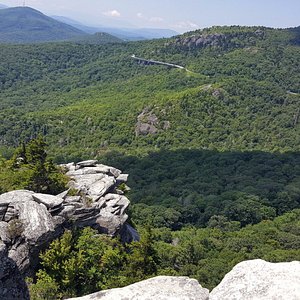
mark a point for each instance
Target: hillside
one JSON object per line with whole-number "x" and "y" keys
{"x": 27, "y": 25}
{"x": 98, "y": 38}
{"x": 212, "y": 150}
{"x": 226, "y": 132}
{"x": 242, "y": 94}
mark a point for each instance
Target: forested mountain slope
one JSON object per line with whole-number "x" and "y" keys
{"x": 200, "y": 127}
{"x": 243, "y": 94}
{"x": 27, "y": 25}
{"x": 213, "y": 153}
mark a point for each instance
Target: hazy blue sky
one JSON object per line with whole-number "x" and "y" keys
{"x": 181, "y": 15}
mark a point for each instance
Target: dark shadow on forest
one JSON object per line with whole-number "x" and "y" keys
{"x": 296, "y": 32}
{"x": 203, "y": 183}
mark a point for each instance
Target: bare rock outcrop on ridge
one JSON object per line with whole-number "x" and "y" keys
{"x": 30, "y": 221}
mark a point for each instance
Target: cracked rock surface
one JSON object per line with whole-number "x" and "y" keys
{"x": 30, "y": 221}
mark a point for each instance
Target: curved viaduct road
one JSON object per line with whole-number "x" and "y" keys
{"x": 156, "y": 62}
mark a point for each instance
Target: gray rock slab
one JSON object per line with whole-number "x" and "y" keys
{"x": 103, "y": 168}
{"x": 11, "y": 212}
{"x": 115, "y": 172}
{"x": 108, "y": 170}
{"x": 20, "y": 255}
{"x": 70, "y": 199}
{"x": 3, "y": 210}
{"x": 122, "y": 178}
{"x": 87, "y": 163}
{"x": 4, "y": 236}
{"x": 63, "y": 195}
{"x": 114, "y": 201}
{"x": 91, "y": 170}
{"x": 69, "y": 166}
{"x": 99, "y": 188}
{"x": 36, "y": 219}
{"x": 12, "y": 283}
{"x": 75, "y": 173}
{"x": 15, "y": 196}
{"x": 85, "y": 181}
{"x": 260, "y": 280}
{"x": 157, "y": 288}
{"x": 48, "y": 200}
{"x": 129, "y": 234}
{"x": 109, "y": 223}
{"x": 67, "y": 211}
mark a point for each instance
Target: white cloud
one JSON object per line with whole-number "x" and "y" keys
{"x": 140, "y": 15}
{"x": 112, "y": 13}
{"x": 186, "y": 25}
{"x": 149, "y": 19}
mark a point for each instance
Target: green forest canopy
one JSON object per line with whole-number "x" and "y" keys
{"x": 220, "y": 177}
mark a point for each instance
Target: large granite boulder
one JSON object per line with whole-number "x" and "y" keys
{"x": 48, "y": 200}
{"x": 158, "y": 288}
{"x": 260, "y": 280}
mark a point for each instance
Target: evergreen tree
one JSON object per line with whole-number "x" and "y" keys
{"x": 30, "y": 168}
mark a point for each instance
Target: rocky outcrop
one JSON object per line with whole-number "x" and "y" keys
{"x": 203, "y": 39}
{"x": 30, "y": 221}
{"x": 158, "y": 288}
{"x": 258, "y": 279}
{"x": 148, "y": 123}
{"x": 249, "y": 280}
{"x": 12, "y": 283}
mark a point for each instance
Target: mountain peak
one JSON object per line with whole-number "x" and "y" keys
{"x": 28, "y": 25}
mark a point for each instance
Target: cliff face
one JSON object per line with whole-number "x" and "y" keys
{"x": 12, "y": 283}
{"x": 251, "y": 280}
{"x": 30, "y": 221}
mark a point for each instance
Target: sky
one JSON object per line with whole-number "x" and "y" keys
{"x": 179, "y": 15}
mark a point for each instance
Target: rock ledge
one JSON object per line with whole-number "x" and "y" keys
{"x": 30, "y": 221}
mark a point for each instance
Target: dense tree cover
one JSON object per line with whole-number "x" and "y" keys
{"x": 173, "y": 188}
{"x": 238, "y": 98}
{"x": 30, "y": 168}
{"x": 211, "y": 184}
{"x": 84, "y": 262}
{"x": 208, "y": 254}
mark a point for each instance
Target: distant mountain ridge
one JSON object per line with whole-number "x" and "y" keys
{"x": 122, "y": 33}
{"x": 27, "y": 25}
{"x": 97, "y": 38}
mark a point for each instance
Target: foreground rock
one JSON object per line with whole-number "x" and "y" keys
{"x": 258, "y": 279}
{"x": 30, "y": 221}
{"x": 158, "y": 288}
{"x": 249, "y": 280}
